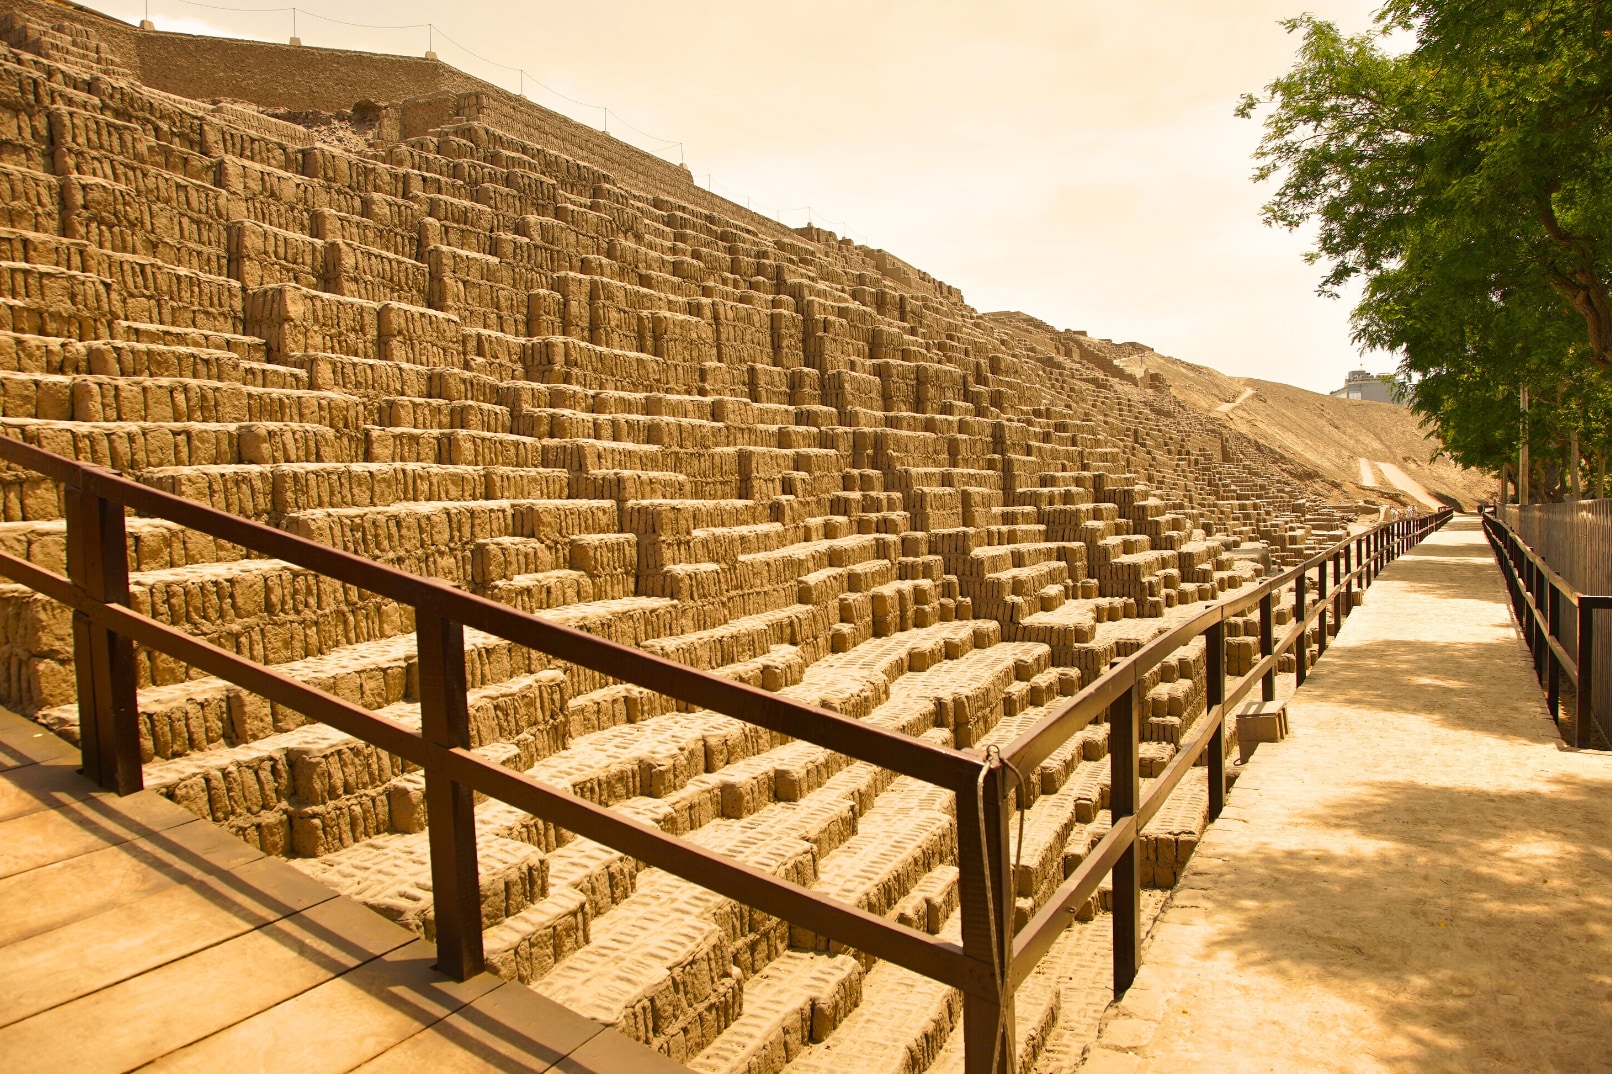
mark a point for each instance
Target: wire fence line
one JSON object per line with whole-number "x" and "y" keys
{"x": 660, "y": 146}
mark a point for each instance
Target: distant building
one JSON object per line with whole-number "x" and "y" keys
{"x": 1373, "y": 387}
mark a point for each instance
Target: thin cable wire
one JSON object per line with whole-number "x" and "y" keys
{"x": 360, "y": 25}
{"x": 640, "y": 130}
{"x": 468, "y": 52}
{"x": 243, "y": 10}
{"x": 436, "y": 31}
{"x": 520, "y": 71}
{"x": 562, "y": 96}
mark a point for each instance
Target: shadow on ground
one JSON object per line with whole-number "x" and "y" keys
{"x": 1423, "y": 881}
{"x": 1477, "y": 923}
{"x": 1420, "y": 678}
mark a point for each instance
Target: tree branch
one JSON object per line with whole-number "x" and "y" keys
{"x": 1582, "y": 285}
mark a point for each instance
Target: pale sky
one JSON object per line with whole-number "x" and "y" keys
{"x": 1078, "y": 161}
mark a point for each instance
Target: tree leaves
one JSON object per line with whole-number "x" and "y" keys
{"x": 1467, "y": 181}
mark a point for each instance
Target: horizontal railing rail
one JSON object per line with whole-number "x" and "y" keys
{"x": 985, "y": 967}
{"x": 1544, "y": 603}
{"x": 1355, "y": 561}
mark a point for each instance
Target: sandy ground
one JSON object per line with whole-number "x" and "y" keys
{"x": 1227, "y": 408}
{"x": 1418, "y": 879}
{"x": 1406, "y": 483}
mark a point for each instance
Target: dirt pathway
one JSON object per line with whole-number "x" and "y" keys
{"x": 1227, "y": 408}
{"x": 1406, "y": 483}
{"x": 1418, "y": 879}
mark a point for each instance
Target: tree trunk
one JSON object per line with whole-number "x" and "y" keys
{"x": 1581, "y": 284}
{"x": 1572, "y": 457}
{"x": 1524, "y": 471}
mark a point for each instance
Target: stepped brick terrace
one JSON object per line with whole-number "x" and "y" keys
{"x": 449, "y": 332}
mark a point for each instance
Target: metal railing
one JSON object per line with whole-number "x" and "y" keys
{"x": 1558, "y": 623}
{"x": 986, "y": 966}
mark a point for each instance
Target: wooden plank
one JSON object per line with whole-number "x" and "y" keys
{"x": 147, "y": 1017}
{"x": 46, "y": 837}
{"x": 23, "y": 742}
{"x": 510, "y": 1030}
{"x": 44, "y": 785}
{"x": 612, "y": 1053}
{"x": 341, "y": 1023}
{"x": 83, "y": 956}
{"x": 52, "y": 896}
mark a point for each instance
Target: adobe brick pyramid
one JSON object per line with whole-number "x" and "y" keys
{"x": 458, "y": 346}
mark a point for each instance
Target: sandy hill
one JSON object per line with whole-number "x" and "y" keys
{"x": 1377, "y": 450}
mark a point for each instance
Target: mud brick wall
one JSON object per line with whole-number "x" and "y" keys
{"x": 457, "y": 334}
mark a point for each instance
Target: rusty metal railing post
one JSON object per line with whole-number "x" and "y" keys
{"x": 1301, "y": 647}
{"x": 1349, "y": 581}
{"x": 108, "y": 684}
{"x": 1214, "y": 651}
{"x": 1513, "y": 581}
{"x": 986, "y": 903}
{"x": 1536, "y": 627}
{"x": 1124, "y": 795}
{"x": 1583, "y": 718}
{"x": 1553, "y": 626}
{"x": 1337, "y": 592}
{"x": 1326, "y": 608}
{"x": 449, "y": 805}
{"x": 1267, "y": 643}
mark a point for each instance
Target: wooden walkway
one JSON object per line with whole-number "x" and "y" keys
{"x": 132, "y": 933}
{"x": 1419, "y": 878}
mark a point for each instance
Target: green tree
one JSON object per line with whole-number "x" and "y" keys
{"x": 1457, "y": 160}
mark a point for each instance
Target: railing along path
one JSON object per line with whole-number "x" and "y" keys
{"x": 989, "y": 963}
{"x": 1544, "y": 603}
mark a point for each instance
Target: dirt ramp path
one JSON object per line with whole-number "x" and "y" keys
{"x": 1390, "y": 888}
